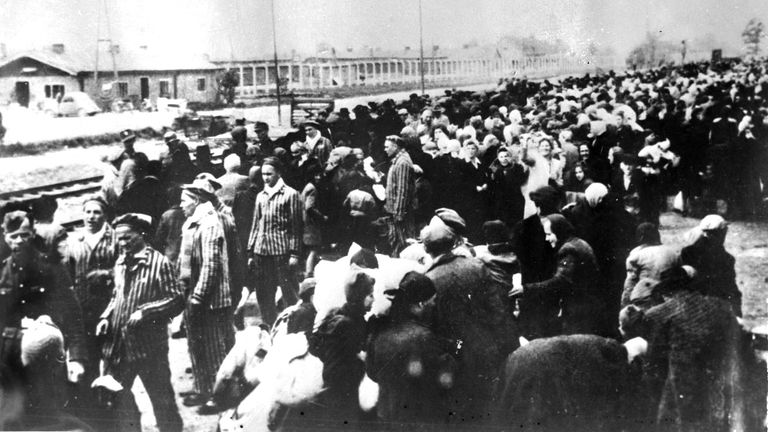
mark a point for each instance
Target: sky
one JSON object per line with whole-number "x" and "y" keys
{"x": 242, "y": 29}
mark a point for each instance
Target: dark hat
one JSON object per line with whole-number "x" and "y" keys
{"x": 311, "y": 123}
{"x": 628, "y": 159}
{"x": 495, "y": 231}
{"x": 307, "y": 288}
{"x": 260, "y": 126}
{"x": 673, "y": 279}
{"x": 12, "y": 221}
{"x": 273, "y": 161}
{"x": 139, "y": 222}
{"x": 240, "y": 121}
{"x": 547, "y": 199}
{"x": 413, "y": 288}
{"x": 358, "y": 286}
{"x": 239, "y": 133}
{"x": 451, "y": 218}
{"x": 365, "y": 258}
{"x": 127, "y": 135}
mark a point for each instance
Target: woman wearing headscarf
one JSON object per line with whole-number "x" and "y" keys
{"x": 506, "y": 178}
{"x": 648, "y": 260}
{"x": 576, "y": 281}
{"x": 473, "y": 193}
{"x": 715, "y": 267}
{"x": 602, "y": 221}
{"x": 450, "y": 183}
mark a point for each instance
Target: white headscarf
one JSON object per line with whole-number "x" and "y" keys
{"x": 595, "y": 193}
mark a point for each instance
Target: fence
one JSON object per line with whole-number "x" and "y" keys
{"x": 258, "y": 77}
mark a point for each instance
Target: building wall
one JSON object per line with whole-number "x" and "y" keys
{"x": 44, "y": 75}
{"x": 180, "y": 84}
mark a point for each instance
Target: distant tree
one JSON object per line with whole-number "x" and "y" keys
{"x": 751, "y": 36}
{"x": 652, "y": 52}
{"x": 226, "y": 83}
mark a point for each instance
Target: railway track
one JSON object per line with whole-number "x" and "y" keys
{"x": 65, "y": 189}
{"x": 70, "y": 189}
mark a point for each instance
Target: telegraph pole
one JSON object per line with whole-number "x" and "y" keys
{"x": 277, "y": 68}
{"x": 421, "y": 48}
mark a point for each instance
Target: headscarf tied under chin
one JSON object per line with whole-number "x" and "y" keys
{"x": 561, "y": 228}
{"x": 595, "y": 193}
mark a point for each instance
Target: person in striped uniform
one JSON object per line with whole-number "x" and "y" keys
{"x": 275, "y": 240}
{"x": 147, "y": 295}
{"x": 400, "y": 192}
{"x": 204, "y": 274}
{"x": 90, "y": 259}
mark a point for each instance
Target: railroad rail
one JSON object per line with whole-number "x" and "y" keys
{"x": 74, "y": 188}
{"x": 65, "y": 189}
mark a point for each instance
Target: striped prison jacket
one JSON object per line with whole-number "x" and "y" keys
{"x": 277, "y": 222}
{"x": 145, "y": 281}
{"x": 81, "y": 259}
{"x": 207, "y": 275}
{"x": 401, "y": 186}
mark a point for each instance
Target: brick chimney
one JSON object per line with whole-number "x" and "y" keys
{"x": 58, "y": 48}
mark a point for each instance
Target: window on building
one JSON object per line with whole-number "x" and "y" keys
{"x": 122, "y": 89}
{"x": 201, "y": 84}
{"x": 165, "y": 88}
{"x": 54, "y": 90}
{"x": 247, "y": 77}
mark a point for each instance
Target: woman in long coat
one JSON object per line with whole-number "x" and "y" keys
{"x": 576, "y": 281}
{"x": 506, "y": 178}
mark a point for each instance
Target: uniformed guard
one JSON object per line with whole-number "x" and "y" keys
{"x": 30, "y": 290}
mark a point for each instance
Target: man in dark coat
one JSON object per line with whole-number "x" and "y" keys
{"x": 31, "y": 288}
{"x": 408, "y": 360}
{"x": 472, "y": 311}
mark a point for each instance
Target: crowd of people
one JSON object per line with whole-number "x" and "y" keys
{"x": 532, "y": 212}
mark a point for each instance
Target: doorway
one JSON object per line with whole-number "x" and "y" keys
{"x": 22, "y": 93}
{"x": 144, "y": 84}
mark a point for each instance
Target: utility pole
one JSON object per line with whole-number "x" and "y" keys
{"x": 109, "y": 37}
{"x": 277, "y": 68}
{"x": 421, "y": 48}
